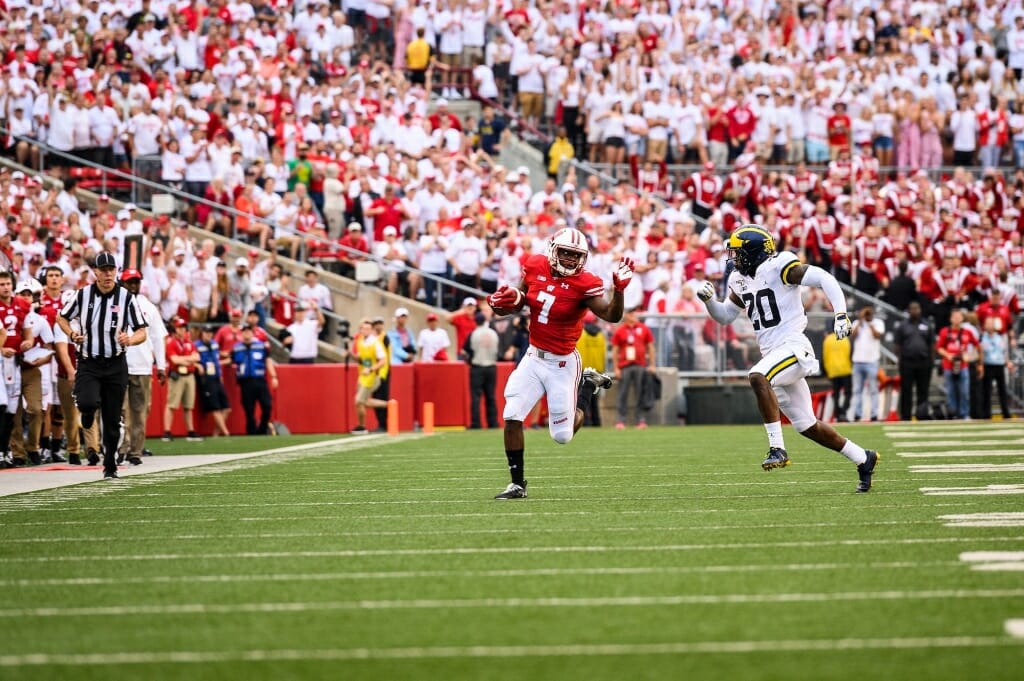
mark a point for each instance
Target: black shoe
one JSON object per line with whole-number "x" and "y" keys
{"x": 167, "y": 437}
{"x": 34, "y": 458}
{"x": 146, "y": 452}
{"x": 18, "y": 462}
{"x": 359, "y": 431}
{"x": 55, "y": 457}
{"x": 513, "y": 491}
{"x": 110, "y": 475}
{"x": 866, "y": 470}
{"x": 120, "y": 457}
{"x": 193, "y": 437}
{"x": 777, "y": 458}
{"x": 74, "y": 460}
{"x": 135, "y": 461}
{"x": 94, "y": 458}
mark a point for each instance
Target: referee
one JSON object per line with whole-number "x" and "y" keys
{"x": 108, "y": 321}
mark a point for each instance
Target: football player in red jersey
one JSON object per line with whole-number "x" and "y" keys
{"x": 17, "y": 339}
{"x": 559, "y": 293}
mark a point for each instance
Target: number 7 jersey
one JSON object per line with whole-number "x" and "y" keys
{"x": 776, "y": 309}
{"x": 557, "y": 304}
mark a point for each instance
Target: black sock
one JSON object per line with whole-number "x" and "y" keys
{"x": 584, "y": 394}
{"x": 382, "y": 417}
{"x": 515, "y": 464}
{"x": 44, "y": 443}
{"x": 6, "y": 429}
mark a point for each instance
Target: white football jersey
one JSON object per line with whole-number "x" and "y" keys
{"x": 775, "y": 309}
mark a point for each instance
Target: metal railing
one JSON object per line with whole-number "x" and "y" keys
{"x": 684, "y": 170}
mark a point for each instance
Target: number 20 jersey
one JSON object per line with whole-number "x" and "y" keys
{"x": 557, "y": 304}
{"x": 775, "y": 309}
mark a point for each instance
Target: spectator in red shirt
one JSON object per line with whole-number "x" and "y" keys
{"x": 741, "y": 122}
{"x": 353, "y": 239}
{"x": 386, "y": 211}
{"x": 182, "y": 358}
{"x": 954, "y": 345}
{"x": 633, "y": 355}
{"x": 838, "y": 130}
{"x": 998, "y": 311}
{"x": 464, "y": 322}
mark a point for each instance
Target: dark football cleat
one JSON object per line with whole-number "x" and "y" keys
{"x": 596, "y": 378}
{"x": 121, "y": 457}
{"x": 513, "y": 491}
{"x": 776, "y": 459}
{"x": 34, "y": 458}
{"x": 110, "y": 475}
{"x": 57, "y": 457}
{"x": 18, "y": 462}
{"x": 866, "y": 470}
{"x": 135, "y": 461}
{"x": 74, "y": 460}
{"x": 94, "y": 458}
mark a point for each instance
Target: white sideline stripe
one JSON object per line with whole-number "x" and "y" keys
{"x": 418, "y": 533}
{"x": 388, "y": 516}
{"x": 925, "y": 444}
{"x": 467, "y": 574}
{"x": 497, "y": 550}
{"x": 970, "y": 468}
{"x": 990, "y": 556}
{"x": 986, "y": 523}
{"x": 1015, "y": 628}
{"x": 997, "y": 515}
{"x": 968, "y": 453}
{"x": 945, "y": 428}
{"x": 443, "y": 604}
{"x": 973, "y": 491}
{"x": 469, "y": 652}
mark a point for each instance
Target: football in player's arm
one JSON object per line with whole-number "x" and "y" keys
{"x": 766, "y": 285}
{"x": 558, "y": 292}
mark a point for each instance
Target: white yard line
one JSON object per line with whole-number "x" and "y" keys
{"x": 1015, "y": 628}
{"x": 407, "y": 516}
{"x": 472, "y": 603}
{"x": 419, "y": 533}
{"x": 987, "y": 490}
{"x": 467, "y": 574}
{"x": 512, "y": 652}
{"x": 990, "y": 556}
{"x": 999, "y": 567}
{"x": 498, "y": 550}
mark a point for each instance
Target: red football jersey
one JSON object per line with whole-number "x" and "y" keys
{"x": 557, "y": 304}
{"x": 49, "y": 308}
{"x": 13, "y": 316}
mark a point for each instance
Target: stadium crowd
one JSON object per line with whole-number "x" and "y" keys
{"x": 321, "y": 126}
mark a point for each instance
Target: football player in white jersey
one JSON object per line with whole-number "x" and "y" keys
{"x": 766, "y": 285}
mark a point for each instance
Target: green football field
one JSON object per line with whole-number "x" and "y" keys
{"x": 658, "y": 554}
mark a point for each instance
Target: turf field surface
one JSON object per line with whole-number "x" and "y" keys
{"x": 639, "y": 555}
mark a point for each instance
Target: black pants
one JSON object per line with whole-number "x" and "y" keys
{"x": 842, "y": 388}
{"x": 996, "y": 373}
{"x": 255, "y": 391}
{"x": 482, "y": 381}
{"x": 383, "y": 392}
{"x": 975, "y": 372}
{"x": 100, "y": 384}
{"x": 915, "y": 377}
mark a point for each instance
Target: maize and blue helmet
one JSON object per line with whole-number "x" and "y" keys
{"x": 749, "y": 246}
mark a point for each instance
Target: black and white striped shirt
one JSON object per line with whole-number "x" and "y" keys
{"x": 102, "y": 317}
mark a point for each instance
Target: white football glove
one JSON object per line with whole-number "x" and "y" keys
{"x": 842, "y": 326}
{"x": 623, "y": 274}
{"x": 706, "y": 291}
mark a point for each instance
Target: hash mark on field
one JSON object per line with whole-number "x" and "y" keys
{"x": 1003, "y": 519}
{"x": 497, "y": 550}
{"x": 974, "y": 491}
{"x": 926, "y": 444}
{"x": 970, "y": 468}
{"x": 468, "y": 574}
{"x": 957, "y": 455}
{"x": 443, "y": 604}
{"x": 1015, "y": 628}
{"x": 573, "y": 650}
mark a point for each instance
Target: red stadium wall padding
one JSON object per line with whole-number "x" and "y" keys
{"x": 320, "y": 398}
{"x": 446, "y": 384}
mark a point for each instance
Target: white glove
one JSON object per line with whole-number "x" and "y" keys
{"x": 706, "y": 291}
{"x": 842, "y": 326}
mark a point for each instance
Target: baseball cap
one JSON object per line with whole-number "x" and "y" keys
{"x": 235, "y": 312}
{"x": 390, "y": 231}
{"x": 180, "y": 323}
{"x": 105, "y": 260}
{"x": 377, "y": 320}
{"x": 130, "y": 274}
{"x": 254, "y": 252}
{"x": 241, "y": 262}
{"x": 23, "y": 285}
{"x": 401, "y": 312}
{"x": 469, "y": 300}
{"x": 123, "y": 215}
{"x": 432, "y": 317}
{"x": 355, "y": 227}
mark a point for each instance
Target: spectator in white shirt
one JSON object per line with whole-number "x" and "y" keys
{"x": 433, "y": 342}
{"x": 303, "y": 334}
